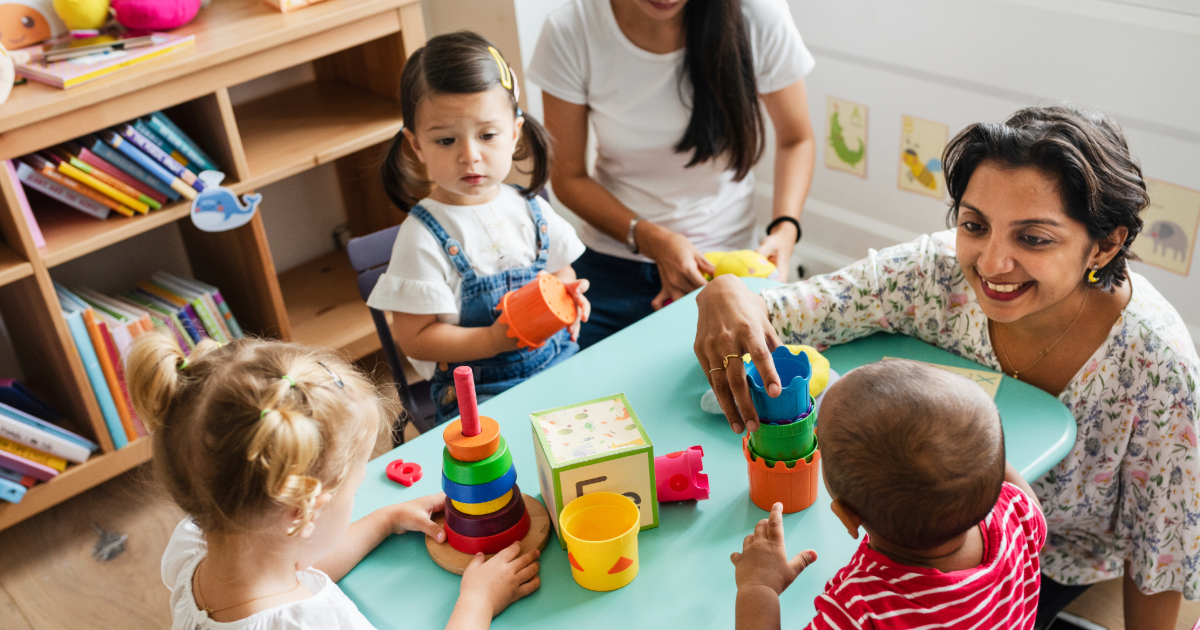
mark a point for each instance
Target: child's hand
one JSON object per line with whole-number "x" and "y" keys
{"x": 583, "y": 306}
{"x": 763, "y": 560}
{"x": 417, "y": 516}
{"x": 501, "y": 342}
{"x": 500, "y": 581}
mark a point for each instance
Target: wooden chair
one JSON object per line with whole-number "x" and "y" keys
{"x": 369, "y": 255}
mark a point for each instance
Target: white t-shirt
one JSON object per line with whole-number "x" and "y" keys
{"x": 327, "y": 608}
{"x": 495, "y": 236}
{"x": 636, "y": 105}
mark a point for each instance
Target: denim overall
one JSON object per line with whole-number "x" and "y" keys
{"x": 480, "y": 295}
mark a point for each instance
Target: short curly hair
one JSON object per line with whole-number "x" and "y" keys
{"x": 1100, "y": 182}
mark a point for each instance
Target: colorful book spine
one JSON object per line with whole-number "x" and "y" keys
{"x": 35, "y": 230}
{"x": 175, "y": 136}
{"x": 24, "y": 480}
{"x": 235, "y": 329}
{"x": 91, "y": 364}
{"x": 33, "y": 455}
{"x": 187, "y": 314}
{"x": 15, "y": 427}
{"x": 11, "y": 491}
{"x": 95, "y": 161}
{"x": 159, "y": 142}
{"x": 118, "y": 159}
{"x": 160, "y": 156}
{"x": 126, "y": 204}
{"x": 175, "y": 314}
{"x": 97, "y": 331}
{"x": 16, "y": 463}
{"x": 114, "y": 348}
{"x": 137, "y": 199}
{"x": 42, "y": 183}
{"x": 132, "y": 152}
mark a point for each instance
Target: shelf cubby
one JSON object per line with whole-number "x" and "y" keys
{"x": 357, "y": 49}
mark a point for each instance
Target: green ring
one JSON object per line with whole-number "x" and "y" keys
{"x": 480, "y": 472}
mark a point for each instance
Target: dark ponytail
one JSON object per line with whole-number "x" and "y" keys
{"x": 456, "y": 63}
{"x": 718, "y": 61}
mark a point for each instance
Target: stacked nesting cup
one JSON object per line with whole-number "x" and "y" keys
{"x": 782, "y": 457}
{"x": 537, "y": 311}
{"x": 485, "y": 511}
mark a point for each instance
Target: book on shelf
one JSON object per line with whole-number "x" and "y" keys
{"x": 27, "y": 430}
{"x": 184, "y": 311}
{"x": 24, "y": 480}
{"x": 52, "y": 185}
{"x": 11, "y": 489}
{"x": 131, "y": 151}
{"x": 19, "y": 464}
{"x": 160, "y": 308}
{"x": 32, "y": 454}
{"x": 217, "y": 301}
{"x": 128, "y": 179}
{"x": 202, "y": 304}
{"x": 123, "y": 162}
{"x": 72, "y": 72}
{"x": 20, "y": 403}
{"x": 73, "y": 154}
{"x": 158, "y": 155}
{"x": 73, "y": 311}
{"x": 144, "y": 128}
{"x": 169, "y": 131}
{"x": 102, "y": 342}
{"x": 35, "y": 230}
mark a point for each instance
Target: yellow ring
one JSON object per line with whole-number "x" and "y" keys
{"x": 715, "y": 369}
{"x": 726, "y": 360}
{"x": 480, "y": 509}
{"x": 505, "y": 76}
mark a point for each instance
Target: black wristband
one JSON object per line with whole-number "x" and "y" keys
{"x": 778, "y": 220}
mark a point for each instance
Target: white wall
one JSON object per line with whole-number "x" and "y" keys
{"x": 960, "y": 62}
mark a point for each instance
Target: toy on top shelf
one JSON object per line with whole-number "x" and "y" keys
{"x": 600, "y": 530}
{"x": 290, "y": 5}
{"x": 680, "y": 476}
{"x": 538, "y": 310}
{"x": 155, "y": 15}
{"x": 743, "y": 263}
{"x": 83, "y": 16}
{"x": 28, "y": 22}
{"x": 485, "y": 509}
{"x": 594, "y": 446}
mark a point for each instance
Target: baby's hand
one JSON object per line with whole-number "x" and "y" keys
{"x": 763, "y": 560}
{"x": 583, "y": 306}
{"x": 417, "y": 516}
{"x": 502, "y": 580}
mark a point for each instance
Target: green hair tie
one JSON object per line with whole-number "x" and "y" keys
{"x": 264, "y": 414}
{"x": 183, "y": 366}
{"x": 289, "y": 379}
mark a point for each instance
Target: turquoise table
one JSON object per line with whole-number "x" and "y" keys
{"x": 685, "y": 579}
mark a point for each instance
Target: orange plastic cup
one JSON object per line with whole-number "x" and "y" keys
{"x": 795, "y": 487}
{"x": 536, "y": 311}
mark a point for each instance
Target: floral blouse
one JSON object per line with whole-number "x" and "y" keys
{"x": 1128, "y": 489}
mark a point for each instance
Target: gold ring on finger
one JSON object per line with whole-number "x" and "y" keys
{"x": 715, "y": 369}
{"x": 728, "y": 356}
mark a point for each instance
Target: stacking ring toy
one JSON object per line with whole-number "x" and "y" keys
{"x": 487, "y": 524}
{"x": 480, "y": 509}
{"x": 476, "y": 447}
{"x": 404, "y": 473}
{"x": 483, "y": 492}
{"x": 489, "y": 544}
{"x": 475, "y": 473}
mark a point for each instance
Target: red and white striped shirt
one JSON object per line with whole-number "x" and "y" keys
{"x": 874, "y": 591}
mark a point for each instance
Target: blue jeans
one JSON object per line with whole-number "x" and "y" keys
{"x": 621, "y": 292}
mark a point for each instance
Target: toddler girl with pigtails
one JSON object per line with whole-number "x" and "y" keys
{"x": 263, "y": 444}
{"x": 469, "y": 238}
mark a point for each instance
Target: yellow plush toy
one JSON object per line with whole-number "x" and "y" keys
{"x": 742, "y": 263}
{"x": 82, "y": 15}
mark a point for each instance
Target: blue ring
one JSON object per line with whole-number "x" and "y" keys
{"x": 483, "y": 492}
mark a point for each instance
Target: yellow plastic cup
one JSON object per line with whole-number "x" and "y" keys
{"x": 601, "y": 531}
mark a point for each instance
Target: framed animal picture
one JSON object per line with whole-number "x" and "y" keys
{"x": 1168, "y": 237}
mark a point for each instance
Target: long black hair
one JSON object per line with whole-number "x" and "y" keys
{"x": 726, "y": 119}
{"x": 1100, "y": 181}
{"x": 456, "y": 63}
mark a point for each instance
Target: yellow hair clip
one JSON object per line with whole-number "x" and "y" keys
{"x": 505, "y": 75}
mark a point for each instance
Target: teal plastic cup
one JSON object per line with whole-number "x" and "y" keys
{"x": 785, "y": 442}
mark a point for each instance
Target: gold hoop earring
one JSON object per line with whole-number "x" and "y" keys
{"x": 1092, "y": 274}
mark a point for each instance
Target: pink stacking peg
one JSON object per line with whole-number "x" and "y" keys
{"x": 464, "y": 388}
{"x": 678, "y": 475}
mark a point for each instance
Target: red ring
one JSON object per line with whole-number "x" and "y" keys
{"x": 489, "y": 544}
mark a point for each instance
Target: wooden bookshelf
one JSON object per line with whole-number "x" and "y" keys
{"x": 357, "y": 49}
{"x": 12, "y": 266}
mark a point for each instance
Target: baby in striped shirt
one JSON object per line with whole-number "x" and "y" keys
{"x": 914, "y": 456}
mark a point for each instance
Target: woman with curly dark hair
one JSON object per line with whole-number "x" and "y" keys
{"x": 1033, "y": 281}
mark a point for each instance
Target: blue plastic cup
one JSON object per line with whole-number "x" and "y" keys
{"x": 794, "y": 372}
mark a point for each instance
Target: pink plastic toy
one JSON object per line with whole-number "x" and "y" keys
{"x": 155, "y": 15}
{"x": 468, "y": 409}
{"x": 404, "y": 473}
{"x": 678, "y": 475}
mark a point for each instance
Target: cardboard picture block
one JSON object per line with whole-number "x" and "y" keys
{"x": 594, "y": 446}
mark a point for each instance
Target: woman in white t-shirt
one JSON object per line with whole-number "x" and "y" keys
{"x": 672, "y": 88}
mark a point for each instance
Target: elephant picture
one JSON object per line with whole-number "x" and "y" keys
{"x": 1171, "y": 238}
